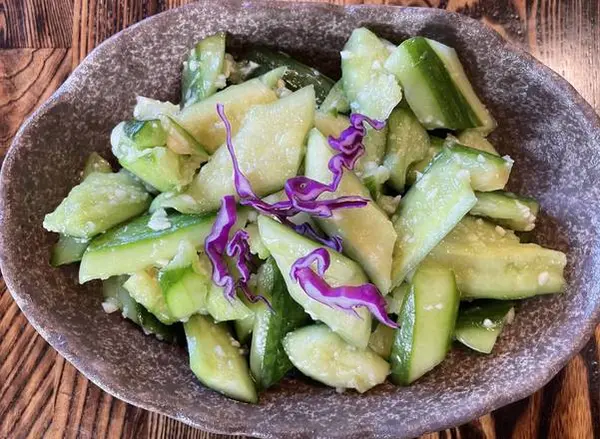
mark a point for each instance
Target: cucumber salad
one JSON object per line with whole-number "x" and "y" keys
{"x": 276, "y": 219}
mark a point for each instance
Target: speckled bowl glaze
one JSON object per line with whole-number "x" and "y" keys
{"x": 550, "y": 131}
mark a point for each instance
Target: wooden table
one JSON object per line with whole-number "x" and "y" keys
{"x": 41, "y": 41}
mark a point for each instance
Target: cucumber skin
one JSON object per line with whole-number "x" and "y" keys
{"x": 507, "y": 209}
{"x": 268, "y": 360}
{"x": 112, "y": 254}
{"x": 207, "y": 57}
{"x": 216, "y": 362}
{"x": 297, "y": 75}
{"x": 411, "y": 319}
{"x": 471, "y": 329}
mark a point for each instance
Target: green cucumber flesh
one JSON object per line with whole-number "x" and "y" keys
{"x": 418, "y": 168}
{"x": 381, "y": 341}
{"x": 200, "y": 77}
{"x": 429, "y": 211}
{"x": 336, "y": 101}
{"x": 68, "y": 250}
{"x": 216, "y": 360}
{"x": 479, "y": 325}
{"x": 372, "y": 248}
{"x": 135, "y": 246}
{"x": 426, "y": 322}
{"x": 507, "y": 209}
{"x": 223, "y": 309}
{"x": 268, "y": 360}
{"x": 396, "y": 298}
{"x": 286, "y": 246}
{"x": 488, "y": 172}
{"x": 150, "y": 109}
{"x": 324, "y": 356}
{"x": 180, "y": 141}
{"x": 269, "y": 148}
{"x": 145, "y": 133}
{"x": 257, "y": 247}
{"x": 475, "y": 139}
{"x": 98, "y": 203}
{"x": 202, "y": 121}
{"x": 431, "y": 88}
{"x": 95, "y": 163}
{"x": 407, "y": 143}
{"x": 144, "y": 288}
{"x": 297, "y": 75}
{"x": 369, "y": 87}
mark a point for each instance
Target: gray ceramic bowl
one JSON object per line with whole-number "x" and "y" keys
{"x": 549, "y": 130}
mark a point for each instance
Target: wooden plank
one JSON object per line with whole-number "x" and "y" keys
{"x": 27, "y": 78}
{"x": 35, "y": 23}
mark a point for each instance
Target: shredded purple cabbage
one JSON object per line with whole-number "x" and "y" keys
{"x": 239, "y": 250}
{"x": 216, "y": 244}
{"x": 335, "y": 242}
{"x": 345, "y": 298}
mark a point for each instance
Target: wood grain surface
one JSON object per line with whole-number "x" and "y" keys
{"x": 42, "y": 395}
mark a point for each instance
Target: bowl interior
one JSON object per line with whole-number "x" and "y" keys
{"x": 544, "y": 125}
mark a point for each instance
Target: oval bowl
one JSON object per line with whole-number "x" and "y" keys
{"x": 550, "y": 131}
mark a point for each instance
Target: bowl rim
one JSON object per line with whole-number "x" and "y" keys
{"x": 456, "y": 417}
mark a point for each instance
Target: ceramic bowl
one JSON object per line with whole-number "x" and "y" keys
{"x": 550, "y": 131}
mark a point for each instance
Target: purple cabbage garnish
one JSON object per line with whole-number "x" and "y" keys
{"x": 216, "y": 244}
{"x": 345, "y": 298}
{"x": 335, "y": 242}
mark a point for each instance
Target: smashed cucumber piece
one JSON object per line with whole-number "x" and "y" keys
{"x": 257, "y": 247}
{"x": 426, "y": 324}
{"x": 479, "y": 324}
{"x": 323, "y": 355}
{"x": 144, "y": 288}
{"x": 216, "y": 360}
{"x": 145, "y": 133}
{"x": 185, "y": 283}
{"x": 269, "y": 148}
{"x": 68, "y": 250}
{"x": 396, "y": 298}
{"x": 98, "y": 203}
{"x": 95, "y": 163}
{"x": 135, "y": 246}
{"x": 336, "y": 101}
{"x": 158, "y": 166}
{"x": 370, "y": 88}
{"x": 268, "y": 360}
{"x": 436, "y": 86}
{"x": 407, "y": 143}
{"x": 224, "y": 309}
{"x": 475, "y": 139}
{"x": 202, "y": 121}
{"x": 507, "y": 209}
{"x": 286, "y": 246}
{"x": 180, "y": 141}
{"x": 489, "y": 267}
{"x": 202, "y": 71}
{"x": 150, "y": 109}
{"x": 381, "y": 341}
{"x": 297, "y": 75}
{"x": 367, "y": 233}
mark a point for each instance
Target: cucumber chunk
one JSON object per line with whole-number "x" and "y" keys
{"x": 243, "y": 327}
{"x": 418, "y": 168}
{"x": 257, "y": 247}
{"x": 95, "y": 163}
{"x": 426, "y": 324}
{"x": 336, "y": 101}
{"x": 471, "y": 229}
{"x": 269, "y": 148}
{"x": 149, "y": 109}
{"x": 407, "y": 143}
{"x": 116, "y": 297}
{"x": 367, "y": 233}
{"x": 180, "y": 141}
{"x": 489, "y": 268}
{"x": 475, "y": 139}
{"x": 381, "y": 341}
{"x": 429, "y": 211}
{"x": 436, "y": 87}
{"x": 145, "y": 133}
{"x": 297, "y": 75}
{"x": 396, "y": 298}
{"x": 268, "y": 360}
{"x": 201, "y": 73}
{"x": 202, "y": 121}
{"x": 144, "y": 288}
{"x": 286, "y": 246}
{"x": 184, "y": 283}
{"x": 223, "y": 309}
{"x": 324, "y": 356}
{"x": 479, "y": 325}
{"x": 98, "y": 203}
{"x": 507, "y": 209}
{"x": 370, "y": 88}
{"x": 68, "y": 250}
{"x": 374, "y": 142}
{"x": 488, "y": 172}
{"x": 216, "y": 360}
{"x": 135, "y": 246}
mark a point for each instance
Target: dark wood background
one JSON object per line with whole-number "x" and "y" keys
{"x": 42, "y": 395}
